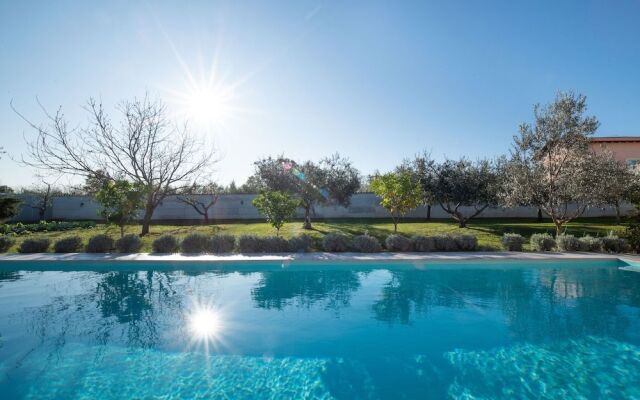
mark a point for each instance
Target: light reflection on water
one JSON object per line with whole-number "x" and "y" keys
{"x": 490, "y": 332}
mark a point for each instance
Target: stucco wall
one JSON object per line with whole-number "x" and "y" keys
{"x": 238, "y": 207}
{"x": 622, "y": 151}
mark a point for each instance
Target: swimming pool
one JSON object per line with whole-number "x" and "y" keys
{"x": 562, "y": 329}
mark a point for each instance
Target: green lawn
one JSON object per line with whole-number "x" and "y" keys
{"x": 488, "y": 231}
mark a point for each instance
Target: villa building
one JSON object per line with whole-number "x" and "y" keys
{"x": 623, "y": 148}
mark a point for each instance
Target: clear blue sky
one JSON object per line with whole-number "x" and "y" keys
{"x": 376, "y": 81}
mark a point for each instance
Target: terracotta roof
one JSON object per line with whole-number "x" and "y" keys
{"x": 611, "y": 139}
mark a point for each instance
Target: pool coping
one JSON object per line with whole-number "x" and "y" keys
{"x": 314, "y": 257}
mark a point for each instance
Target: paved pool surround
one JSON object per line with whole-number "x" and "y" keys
{"x": 317, "y": 257}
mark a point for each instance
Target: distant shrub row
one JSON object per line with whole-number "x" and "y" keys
{"x": 546, "y": 242}
{"x": 336, "y": 242}
{"x": 43, "y": 226}
{"x": 197, "y": 243}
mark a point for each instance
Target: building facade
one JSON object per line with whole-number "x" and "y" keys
{"x": 623, "y": 148}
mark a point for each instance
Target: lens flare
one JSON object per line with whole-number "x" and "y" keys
{"x": 204, "y": 323}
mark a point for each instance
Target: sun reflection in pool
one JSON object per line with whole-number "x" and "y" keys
{"x": 206, "y": 326}
{"x": 204, "y": 323}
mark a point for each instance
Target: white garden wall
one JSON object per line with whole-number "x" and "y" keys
{"x": 238, "y": 207}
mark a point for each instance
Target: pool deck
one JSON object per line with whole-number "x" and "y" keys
{"x": 316, "y": 257}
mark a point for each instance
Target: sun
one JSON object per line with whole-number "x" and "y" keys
{"x": 207, "y": 105}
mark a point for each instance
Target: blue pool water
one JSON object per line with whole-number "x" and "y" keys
{"x": 469, "y": 331}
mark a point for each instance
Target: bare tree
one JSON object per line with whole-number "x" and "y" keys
{"x": 40, "y": 198}
{"x": 144, "y": 148}
{"x": 201, "y": 198}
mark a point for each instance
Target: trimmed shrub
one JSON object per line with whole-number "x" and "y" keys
{"x": 43, "y": 226}
{"x": 130, "y": 243}
{"x": 445, "y": 243}
{"x": 466, "y": 242}
{"x": 100, "y": 244}
{"x": 366, "y": 244}
{"x": 335, "y": 242}
{"x": 165, "y": 244}
{"x": 398, "y": 243}
{"x": 632, "y": 234}
{"x": 274, "y": 244}
{"x": 512, "y": 242}
{"x": 72, "y": 244}
{"x": 613, "y": 244}
{"x": 195, "y": 243}
{"x": 590, "y": 243}
{"x": 223, "y": 243}
{"x": 301, "y": 243}
{"x": 423, "y": 243}
{"x": 542, "y": 242}
{"x": 568, "y": 243}
{"x": 35, "y": 245}
{"x": 6, "y": 242}
{"x": 250, "y": 244}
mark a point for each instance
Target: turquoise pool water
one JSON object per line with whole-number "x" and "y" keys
{"x": 469, "y": 331}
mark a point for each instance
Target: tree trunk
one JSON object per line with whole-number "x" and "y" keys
{"x": 146, "y": 220}
{"x": 558, "y": 228}
{"x": 206, "y": 217}
{"x": 462, "y": 223}
{"x": 539, "y": 215}
{"x": 617, "y": 213}
{"x": 307, "y": 219}
{"x": 122, "y": 230}
{"x": 428, "y": 212}
{"x": 395, "y": 226}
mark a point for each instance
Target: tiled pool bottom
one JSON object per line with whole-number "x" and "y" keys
{"x": 490, "y": 330}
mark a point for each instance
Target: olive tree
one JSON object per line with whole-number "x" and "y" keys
{"x": 399, "y": 193}
{"x": 144, "y": 147}
{"x": 333, "y": 180}
{"x": 201, "y": 197}
{"x": 617, "y": 182}
{"x": 461, "y": 185}
{"x": 277, "y": 207}
{"x": 551, "y": 166}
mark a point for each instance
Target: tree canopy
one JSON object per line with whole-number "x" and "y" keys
{"x": 332, "y": 180}
{"x": 551, "y": 166}
{"x": 399, "y": 193}
{"x": 144, "y": 147}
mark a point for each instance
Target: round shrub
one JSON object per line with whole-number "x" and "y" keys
{"x": 542, "y": 242}
{"x": 100, "y": 244}
{"x": 195, "y": 243}
{"x": 366, "y": 244}
{"x": 398, "y": 243}
{"x": 567, "y": 243}
{"x": 165, "y": 244}
{"x": 335, "y": 242}
{"x": 6, "y": 242}
{"x": 423, "y": 243}
{"x": 130, "y": 243}
{"x": 590, "y": 243}
{"x": 466, "y": 242}
{"x": 34, "y": 245}
{"x": 274, "y": 244}
{"x": 613, "y": 244}
{"x": 222, "y": 243}
{"x": 301, "y": 243}
{"x": 250, "y": 244}
{"x": 72, "y": 244}
{"x": 445, "y": 243}
{"x": 512, "y": 242}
